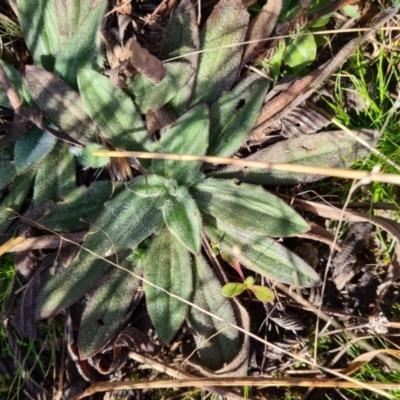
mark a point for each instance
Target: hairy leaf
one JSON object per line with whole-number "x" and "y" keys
{"x": 61, "y": 104}
{"x": 247, "y": 207}
{"x": 77, "y": 209}
{"x": 333, "y": 149}
{"x": 32, "y": 148}
{"x": 126, "y": 221}
{"x": 14, "y": 200}
{"x": 107, "y": 307}
{"x": 217, "y": 342}
{"x": 152, "y": 185}
{"x": 183, "y": 220}
{"x": 189, "y": 135}
{"x": 219, "y": 63}
{"x": 149, "y": 95}
{"x": 39, "y": 25}
{"x": 55, "y": 176}
{"x": 180, "y": 40}
{"x": 168, "y": 266}
{"x": 60, "y": 289}
{"x": 261, "y": 254}
{"x": 80, "y": 21}
{"x": 7, "y": 166}
{"x": 18, "y": 84}
{"x": 234, "y": 114}
{"x": 87, "y": 159}
{"x": 113, "y": 111}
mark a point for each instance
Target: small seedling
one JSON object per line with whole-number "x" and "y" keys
{"x": 233, "y": 289}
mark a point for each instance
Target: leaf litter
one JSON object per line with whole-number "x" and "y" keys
{"x": 133, "y": 60}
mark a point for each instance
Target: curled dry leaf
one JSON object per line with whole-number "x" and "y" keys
{"x": 261, "y": 28}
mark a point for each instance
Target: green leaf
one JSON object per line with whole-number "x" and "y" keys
{"x": 248, "y": 207}
{"x": 56, "y": 175}
{"x": 152, "y": 185}
{"x": 217, "y": 342}
{"x": 12, "y": 203}
{"x": 62, "y": 105}
{"x": 18, "y": 84}
{"x": 149, "y": 95}
{"x": 351, "y": 11}
{"x": 113, "y": 111}
{"x": 60, "y": 289}
{"x": 39, "y": 26}
{"x": 168, "y": 266}
{"x": 233, "y": 289}
{"x": 194, "y": 140}
{"x": 83, "y": 47}
{"x": 261, "y": 254}
{"x": 7, "y": 166}
{"x": 221, "y": 58}
{"x": 183, "y": 220}
{"x": 300, "y": 52}
{"x": 87, "y": 159}
{"x": 262, "y": 293}
{"x": 107, "y": 308}
{"x": 181, "y": 38}
{"x": 32, "y": 148}
{"x": 126, "y": 221}
{"x": 333, "y": 149}
{"x": 76, "y": 211}
{"x": 249, "y": 281}
{"x": 62, "y": 35}
{"x": 234, "y": 114}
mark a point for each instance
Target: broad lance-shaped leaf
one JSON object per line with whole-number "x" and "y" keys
{"x": 217, "y": 342}
{"x": 62, "y": 105}
{"x": 183, "y": 220}
{"x": 234, "y": 114}
{"x": 126, "y": 221}
{"x": 220, "y": 61}
{"x": 83, "y": 47}
{"x": 7, "y": 166}
{"x": 60, "y": 290}
{"x": 32, "y": 148}
{"x": 182, "y": 38}
{"x": 17, "y": 83}
{"x": 113, "y": 111}
{"x": 39, "y": 26}
{"x": 247, "y": 207}
{"x": 61, "y": 36}
{"x": 107, "y": 307}
{"x": 261, "y": 254}
{"x": 189, "y": 135}
{"x": 77, "y": 209}
{"x": 333, "y": 149}
{"x": 56, "y": 175}
{"x": 12, "y": 203}
{"x": 149, "y": 95}
{"x": 168, "y": 266}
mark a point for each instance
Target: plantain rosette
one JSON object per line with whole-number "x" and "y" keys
{"x": 165, "y": 212}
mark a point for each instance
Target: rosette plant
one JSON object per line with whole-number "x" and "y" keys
{"x": 152, "y": 225}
